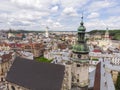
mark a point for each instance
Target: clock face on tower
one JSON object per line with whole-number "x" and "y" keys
{"x": 79, "y": 56}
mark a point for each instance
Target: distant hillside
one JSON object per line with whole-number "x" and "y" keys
{"x": 114, "y": 33}
{"x": 24, "y": 31}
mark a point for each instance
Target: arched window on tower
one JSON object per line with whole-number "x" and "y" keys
{"x": 1, "y": 79}
{"x": 12, "y": 87}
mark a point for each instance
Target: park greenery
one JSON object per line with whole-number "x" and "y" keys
{"x": 95, "y": 59}
{"x": 42, "y": 59}
{"x": 117, "y": 85}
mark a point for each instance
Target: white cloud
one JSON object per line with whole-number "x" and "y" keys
{"x": 74, "y": 4}
{"x": 93, "y": 15}
{"x": 57, "y": 24}
{"x": 70, "y": 11}
{"x": 98, "y": 5}
{"x": 114, "y": 10}
{"x": 55, "y": 2}
{"x": 95, "y": 24}
{"x": 111, "y": 23}
{"x": 3, "y": 15}
{"x": 59, "y": 14}
{"x": 54, "y": 9}
{"x": 49, "y": 22}
{"x": 23, "y": 18}
{"x": 53, "y": 24}
{"x": 37, "y": 4}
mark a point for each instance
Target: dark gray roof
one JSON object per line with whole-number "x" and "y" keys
{"x": 97, "y": 77}
{"x": 36, "y": 75}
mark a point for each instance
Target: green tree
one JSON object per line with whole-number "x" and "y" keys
{"x": 117, "y": 36}
{"x": 117, "y": 85}
{"x": 42, "y": 59}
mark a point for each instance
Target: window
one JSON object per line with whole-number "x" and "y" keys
{"x": 2, "y": 71}
{"x": 12, "y": 87}
{"x": 78, "y": 65}
{"x": 79, "y": 56}
{"x": 77, "y": 80}
{"x": 72, "y": 79}
{"x": 1, "y": 79}
{"x": 103, "y": 65}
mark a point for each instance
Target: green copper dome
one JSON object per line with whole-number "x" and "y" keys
{"x": 81, "y": 47}
{"x": 81, "y": 27}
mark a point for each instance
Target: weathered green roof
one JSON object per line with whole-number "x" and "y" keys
{"x": 80, "y": 60}
{"x": 80, "y": 48}
{"x": 81, "y": 27}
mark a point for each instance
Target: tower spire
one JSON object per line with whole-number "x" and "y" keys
{"x": 46, "y": 33}
{"x": 107, "y": 34}
{"x": 106, "y": 27}
{"x": 82, "y": 16}
{"x": 82, "y": 20}
{"x": 80, "y": 56}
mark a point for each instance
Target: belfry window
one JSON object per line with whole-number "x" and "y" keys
{"x": 78, "y": 65}
{"x": 12, "y": 87}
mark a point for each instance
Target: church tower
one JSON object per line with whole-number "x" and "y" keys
{"x": 80, "y": 48}
{"x": 46, "y": 33}
{"x": 106, "y": 37}
{"x": 81, "y": 60}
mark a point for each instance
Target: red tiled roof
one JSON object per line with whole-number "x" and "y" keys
{"x": 18, "y": 35}
{"x": 96, "y": 50}
{"x": 4, "y": 44}
{"x": 62, "y": 46}
{"x": 6, "y": 57}
{"x": 33, "y": 45}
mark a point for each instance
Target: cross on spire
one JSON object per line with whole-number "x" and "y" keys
{"x": 107, "y": 28}
{"x": 82, "y": 20}
{"x": 82, "y": 16}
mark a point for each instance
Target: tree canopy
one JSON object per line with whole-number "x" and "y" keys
{"x": 42, "y": 59}
{"x": 117, "y": 85}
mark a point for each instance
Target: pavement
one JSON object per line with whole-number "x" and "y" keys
{"x": 3, "y": 86}
{"x": 92, "y": 79}
{"x": 106, "y": 77}
{"x": 112, "y": 66}
{"x": 78, "y": 88}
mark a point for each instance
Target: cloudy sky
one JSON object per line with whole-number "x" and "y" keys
{"x": 59, "y": 14}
